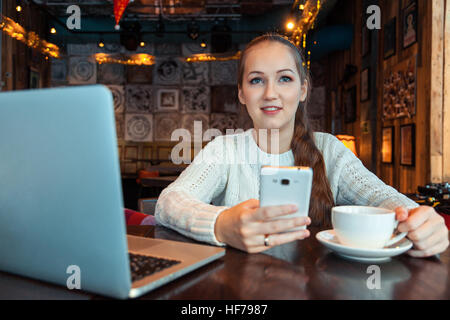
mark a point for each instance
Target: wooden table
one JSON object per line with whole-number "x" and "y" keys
{"x": 298, "y": 270}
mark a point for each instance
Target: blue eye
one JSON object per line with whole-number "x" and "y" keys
{"x": 255, "y": 81}
{"x": 285, "y": 79}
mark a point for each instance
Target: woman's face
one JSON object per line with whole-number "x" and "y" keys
{"x": 271, "y": 86}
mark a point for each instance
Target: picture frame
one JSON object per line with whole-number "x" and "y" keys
{"x": 350, "y": 105}
{"x": 365, "y": 85}
{"x": 167, "y": 100}
{"x": 409, "y": 23}
{"x": 34, "y": 79}
{"x": 387, "y": 144}
{"x": 390, "y": 38}
{"x": 407, "y": 144}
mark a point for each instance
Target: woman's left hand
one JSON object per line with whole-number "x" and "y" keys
{"x": 426, "y": 229}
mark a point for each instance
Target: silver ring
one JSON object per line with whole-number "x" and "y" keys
{"x": 266, "y": 241}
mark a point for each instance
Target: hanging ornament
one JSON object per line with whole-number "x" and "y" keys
{"x": 119, "y": 9}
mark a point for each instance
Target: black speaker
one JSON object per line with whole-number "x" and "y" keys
{"x": 221, "y": 40}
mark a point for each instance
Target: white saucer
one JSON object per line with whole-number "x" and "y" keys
{"x": 328, "y": 239}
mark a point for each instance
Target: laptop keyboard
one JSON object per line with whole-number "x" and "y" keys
{"x": 142, "y": 266}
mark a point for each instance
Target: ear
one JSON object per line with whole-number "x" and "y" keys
{"x": 304, "y": 89}
{"x": 240, "y": 96}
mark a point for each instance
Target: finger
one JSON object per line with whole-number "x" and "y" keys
{"x": 401, "y": 214}
{"x": 436, "y": 249}
{"x": 416, "y": 218}
{"x": 439, "y": 236}
{"x": 268, "y": 213}
{"x": 282, "y": 225}
{"x": 278, "y": 239}
{"x": 425, "y": 230}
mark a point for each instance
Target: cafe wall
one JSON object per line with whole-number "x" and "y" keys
{"x": 150, "y": 101}
{"x": 20, "y": 64}
{"x": 380, "y": 90}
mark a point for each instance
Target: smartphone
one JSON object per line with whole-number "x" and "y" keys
{"x": 286, "y": 185}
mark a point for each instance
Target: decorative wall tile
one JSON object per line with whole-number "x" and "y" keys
{"x": 118, "y": 94}
{"x": 167, "y": 49}
{"x": 224, "y": 121}
{"x": 140, "y": 74}
{"x": 188, "y": 49}
{"x": 165, "y": 124}
{"x": 224, "y": 72}
{"x": 167, "y": 99}
{"x": 188, "y": 122}
{"x": 86, "y": 49}
{"x": 119, "y": 126}
{"x": 194, "y": 73}
{"x": 139, "y": 98}
{"x": 82, "y": 70}
{"x": 111, "y": 73}
{"x": 195, "y": 99}
{"x": 167, "y": 72}
{"x": 59, "y": 71}
{"x": 138, "y": 127}
{"x": 224, "y": 99}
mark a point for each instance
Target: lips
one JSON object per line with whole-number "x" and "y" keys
{"x": 271, "y": 110}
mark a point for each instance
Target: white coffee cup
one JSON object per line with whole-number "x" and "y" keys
{"x": 365, "y": 227}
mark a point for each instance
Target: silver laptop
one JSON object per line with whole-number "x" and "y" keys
{"x": 61, "y": 208}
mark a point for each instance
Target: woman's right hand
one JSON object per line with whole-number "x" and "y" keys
{"x": 246, "y": 225}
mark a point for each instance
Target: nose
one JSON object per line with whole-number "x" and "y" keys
{"x": 270, "y": 92}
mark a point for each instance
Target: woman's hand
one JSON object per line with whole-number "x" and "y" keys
{"x": 426, "y": 229}
{"x": 246, "y": 225}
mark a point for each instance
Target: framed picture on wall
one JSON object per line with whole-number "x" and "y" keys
{"x": 407, "y": 145}
{"x": 390, "y": 38}
{"x": 387, "y": 145}
{"x": 410, "y": 24}
{"x": 34, "y": 79}
{"x": 365, "y": 87}
{"x": 350, "y": 105}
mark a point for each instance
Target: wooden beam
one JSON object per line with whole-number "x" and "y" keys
{"x": 446, "y": 106}
{"x": 437, "y": 83}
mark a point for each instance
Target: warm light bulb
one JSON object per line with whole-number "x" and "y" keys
{"x": 203, "y": 45}
{"x": 290, "y": 25}
{"x": 142, "y": 44}
{"x": 18, "y": 8}
{"x": 101, "y": 44}
{"x": 53, "y": 30}
{"x": 302, "y": 7}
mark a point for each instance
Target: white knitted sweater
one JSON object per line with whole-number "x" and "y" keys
{"x": 226, "y": 172}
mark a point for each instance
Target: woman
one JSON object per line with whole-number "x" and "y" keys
{"x": 214, "y": 199}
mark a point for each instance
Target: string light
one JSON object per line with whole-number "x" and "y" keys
{"x": 210, "y": 57}
{"x": 18, "y": 8}
{"x": 135, "y": 59}
{"x": 52, "y": 30}
{"x": 31, "y": 39}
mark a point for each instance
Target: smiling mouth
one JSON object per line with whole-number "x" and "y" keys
{"x": 271, "y": 109}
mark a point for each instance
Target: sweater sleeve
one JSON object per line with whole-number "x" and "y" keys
{"x": 184, "y": 205}
{"x": 356, "y": 185}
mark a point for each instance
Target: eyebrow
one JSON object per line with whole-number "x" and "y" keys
{"x": 279, "y": 71}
